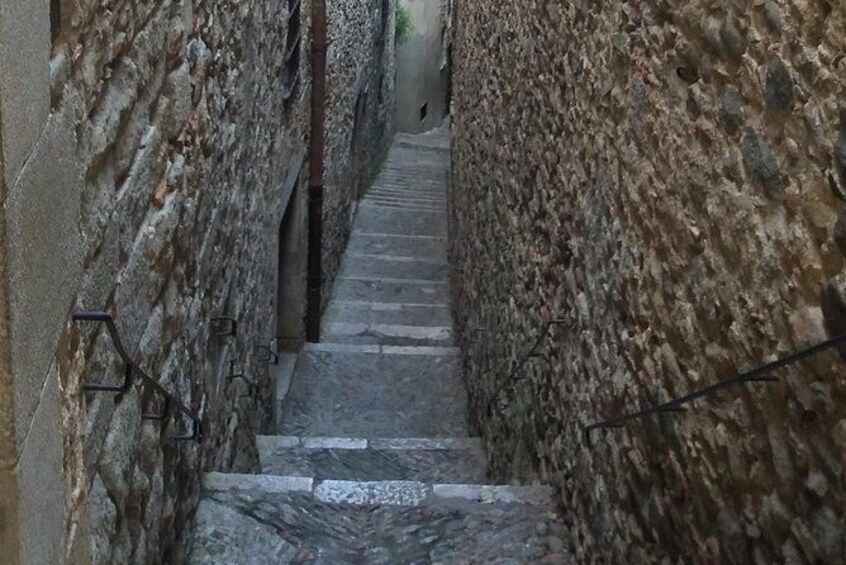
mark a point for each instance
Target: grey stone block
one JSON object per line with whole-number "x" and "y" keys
{"x": 41, "y": 481}
{"x": 44, "y": 258}
{"x": 24, "y": 81}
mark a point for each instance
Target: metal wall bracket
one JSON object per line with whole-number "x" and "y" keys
{"x": 172, "y": 403}
{"x": 224, "y": 326}
{"x": 121, "y": 388}
{"x": 251, "y": 386}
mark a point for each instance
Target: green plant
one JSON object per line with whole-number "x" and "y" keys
{"x": 404, "y": 26}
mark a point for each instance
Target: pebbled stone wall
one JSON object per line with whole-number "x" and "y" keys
{"x": 186, "y": 142}
{"x": 669, "y": 178}
{"x": 146, "y": 170}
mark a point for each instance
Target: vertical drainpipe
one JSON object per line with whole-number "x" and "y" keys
{"x": 315, "y": 159}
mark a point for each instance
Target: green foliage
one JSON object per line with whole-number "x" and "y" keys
{"x": 404, "y": 27}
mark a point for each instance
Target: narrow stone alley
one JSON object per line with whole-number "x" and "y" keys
{"x": 374, "y": 461}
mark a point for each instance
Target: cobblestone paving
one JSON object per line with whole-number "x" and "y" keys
{"x": 375, "y": 464}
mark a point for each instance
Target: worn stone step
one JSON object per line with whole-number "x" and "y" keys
{"x": 259, "y": 519}
{"x": 399, "y": 204}
{"x": 435, "y": 141}
{"x": 402, "y": 222}
{"x": 387, "y": 334}
{"x": 406, "y": 194}
{"x": 425, "y": 187}
{"x": 387, "y": 313}
{"x": 414, "y": 291}
{"x": 447, "y": 460}
{"x": 375, "y": 266}
{"x": 343, "y": 390}
{"x": 425, "y": 248}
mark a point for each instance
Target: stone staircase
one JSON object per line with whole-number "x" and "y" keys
{"x": 373, "y": 462}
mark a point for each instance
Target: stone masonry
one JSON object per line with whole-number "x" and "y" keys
{"x": 670, "y": 179}
{"x": 147, "y": 162}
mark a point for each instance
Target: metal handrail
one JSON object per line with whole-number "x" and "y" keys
{"x": 519, "y": 366}
{"x": 131, "y": 369}
{"x": 759, "y": 374}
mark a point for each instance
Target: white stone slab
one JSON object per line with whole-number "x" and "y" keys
{"x": 334, "y": 443}
{"x": 392, "y": 493}
{"x": 272, "y": 443}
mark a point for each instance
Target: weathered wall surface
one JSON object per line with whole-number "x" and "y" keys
{"x": 146, "y": 169}
{"x": 670, "y": 178}
{"x": 361, "y": 68}
{"x": 421, "y": 68}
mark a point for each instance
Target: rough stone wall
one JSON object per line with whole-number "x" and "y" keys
{"x": 360, "y": 82}
{"x": 185, "y": 142}
{"x": 668, "y": 177}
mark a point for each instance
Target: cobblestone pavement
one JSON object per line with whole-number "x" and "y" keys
{"x": 373, "y": 463}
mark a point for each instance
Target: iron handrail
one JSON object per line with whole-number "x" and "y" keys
{"x": 132, "y": 369}
{"x": 519, "y": 366}
{"x": 758, "y": 374}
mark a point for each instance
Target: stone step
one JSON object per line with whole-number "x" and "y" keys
{"x": 375, "y": 266}
{"x": 448, "y": 460}
{"x": 260, "y": 519}
{"x": 437, "y": 141}
{"x": 406, "y": 194}
{"x": 389, "y": 206}
{"x": 426, "y": 187}
{"x": 387, "y": 334}
{"x": 413, "y": 291}
{"x": 378, "y": 197}
{"x": 425, "y": 248}
{"x": 401, "y": 222}
{"x": 387, "y": 313}
{"x": 343, "y": 390}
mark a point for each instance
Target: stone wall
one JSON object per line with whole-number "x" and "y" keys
{"x": 359, "y": 114}
{"x": 669, "y": 178}
{"x": 147, "y": 164}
